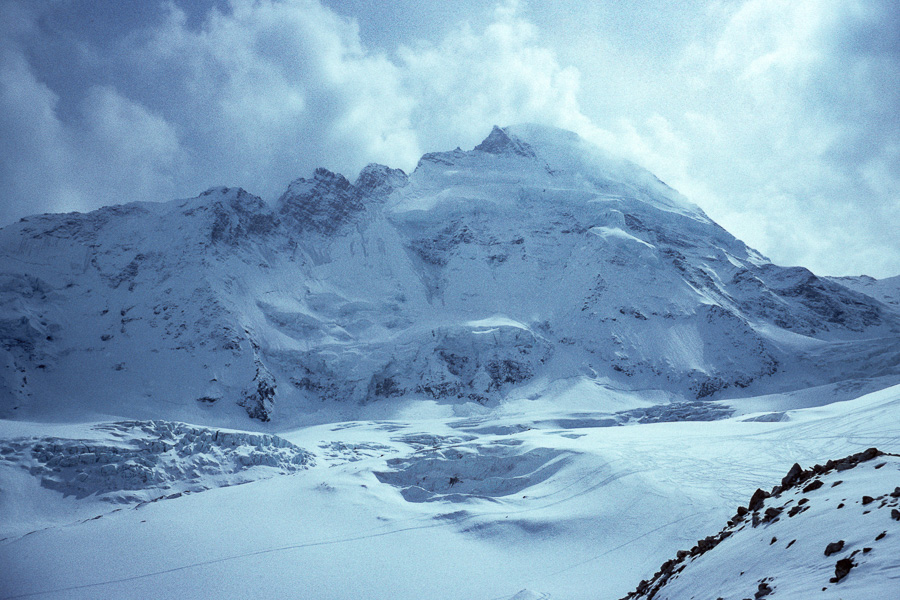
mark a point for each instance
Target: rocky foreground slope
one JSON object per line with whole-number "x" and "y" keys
{"x": 531, "y": 261}
{"x": 831, "y": 531}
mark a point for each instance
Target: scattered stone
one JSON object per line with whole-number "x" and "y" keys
{"x": 704, "y": 545}
{"x": 879, "y": 465}
{"x": 758, "y": 497}
{"x": 796, "y": 478}
{"x": 834, "y": 547}
{"x": 772, "y": 514}
{"x": 764, "y": 590}
{"x": 880, "y": 536}
{"x": 792, "y": 476}
{"x": 812, "y": 486}
{"x": 842, "y": 569}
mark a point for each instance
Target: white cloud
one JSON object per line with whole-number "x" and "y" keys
{"x": 787, "y": 133}
{"x": 268, "y": 90}
{"x": 499, "y": 75}
{"x": 254, "y": 97}
{"x": 30, "y": 152}
{"x": 273, "y": 89}
{"x": 116, "y": 152}
{"x": 136, "y": 154}
{"x": 778, "y": 117}
{"x": 828, "y": 118}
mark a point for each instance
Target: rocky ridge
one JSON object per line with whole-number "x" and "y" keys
{"x": 782, "y": 551}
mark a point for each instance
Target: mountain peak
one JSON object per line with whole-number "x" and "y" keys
{"x": 230, "y": 194}
{"x": 499, "y": 141}
{"x": 322, "y": 203}
{"x": 380, "y": 180}
{"x": 323, "y": 175}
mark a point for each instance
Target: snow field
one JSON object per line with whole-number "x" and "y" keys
{"x": 583, "y": 512}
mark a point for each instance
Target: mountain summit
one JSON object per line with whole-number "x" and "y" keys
{"x": 533, "y": 262}
{"x": 500, "y": 142}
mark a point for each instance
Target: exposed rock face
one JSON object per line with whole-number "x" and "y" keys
{"x": 259, "y": 399}
{"x": 532, "y": 258}
{"x": 378, "y": 181}
{"x": 321, "y": 204}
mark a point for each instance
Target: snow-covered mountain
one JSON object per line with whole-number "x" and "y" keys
{"x": 529, "y": 366}
{"x": 533, "y": 260}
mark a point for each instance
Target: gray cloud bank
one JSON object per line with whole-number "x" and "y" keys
{"x": 778, "y": 118}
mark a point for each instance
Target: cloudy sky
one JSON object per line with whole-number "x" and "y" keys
{"x": 780, "y": 118}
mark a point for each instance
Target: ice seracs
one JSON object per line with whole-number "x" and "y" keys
{"x": 135, "y": 461}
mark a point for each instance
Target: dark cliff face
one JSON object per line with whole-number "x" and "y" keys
{"x": 378, "y": 181}
{"x": 328, "y": 201}
{"x": 322, "y": 204}
{"x": 237, "y": 216}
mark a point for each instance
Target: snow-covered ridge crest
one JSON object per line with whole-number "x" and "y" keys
{"x": 567, "y": 152}
{"x": 537, "y": 156}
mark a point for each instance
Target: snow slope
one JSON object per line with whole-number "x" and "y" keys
{"x": 528, "y": 264}
{"x": 548, "y": 502}
{"x": 833, "y": 528}
{"x": 884, "y": 290}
